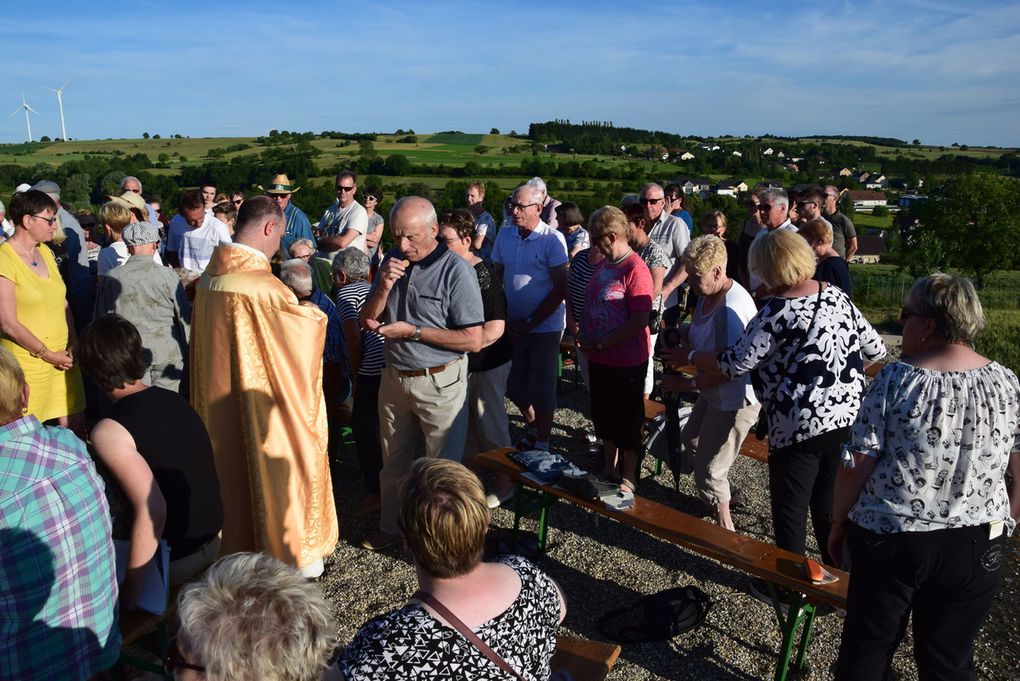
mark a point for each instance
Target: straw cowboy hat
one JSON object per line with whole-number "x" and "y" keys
{"x": 280, "y": 184}
{"x": 131, "y": 200}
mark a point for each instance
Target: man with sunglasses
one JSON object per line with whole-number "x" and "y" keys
{"x": 134, "y": 185}
{"x": 774, "y": 211}
{"x": 298, "y": 225}
{"x": 675, "y": 205}
{"x": 345, "y": 223}
{"x": 844, "y": 234}
{"x": 670, "y": 233}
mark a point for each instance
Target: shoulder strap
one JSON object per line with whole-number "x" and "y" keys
{"x": 466, "y": 632}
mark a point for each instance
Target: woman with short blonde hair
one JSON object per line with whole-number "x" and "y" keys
{"x": 781, "y": 259}
{"x": 726, "y": 409}
{"x": 511, "y": 605}
{"x": 806, "y": 350}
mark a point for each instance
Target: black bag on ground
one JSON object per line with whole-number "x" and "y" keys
{"x": 502, "y": 541}
{"x": 657, "y": 617}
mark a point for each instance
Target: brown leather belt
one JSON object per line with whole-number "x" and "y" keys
{"x": 414, "y": 373}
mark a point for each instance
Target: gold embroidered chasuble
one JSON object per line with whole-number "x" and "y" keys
{"x": 256, "y": 381}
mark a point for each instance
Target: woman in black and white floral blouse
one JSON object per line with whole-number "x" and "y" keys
{"x": 807, "y": 348}
{"x": 511, "y": 605}
{"x": 923, "y": 497}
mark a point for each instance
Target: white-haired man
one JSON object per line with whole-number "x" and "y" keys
{"x": 549, "y": 204}
{"x": 427, "y": 305}
{"x": 134, "y": 185}
{"x": 670, "y": 233}
{"x": 531, "y": 260}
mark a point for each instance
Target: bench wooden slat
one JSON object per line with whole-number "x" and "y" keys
{"x": 585, "y": 660}
{"x": 745, "y": 553}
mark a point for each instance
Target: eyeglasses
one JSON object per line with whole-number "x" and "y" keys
{"x": 521, "y": 206}
{"x": 801, "y": 204}
{"x": 906, "y": 313}
{"x": 764, "y": 207}
{"x": 135, "y": 191}
{"x": 651, "y": 202}
{"x": 279, "y": 197}
{"x": 49, "y": 221}
{"x": 447, "y": 241}
{"x": 173, "y": 660}
{"x": 341, "y": 188}
{"x": 237, "y": 202}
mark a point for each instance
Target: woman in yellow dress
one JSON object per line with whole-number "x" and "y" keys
{"x": 34, "y": 316}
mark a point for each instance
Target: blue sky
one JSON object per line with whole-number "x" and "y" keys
{"x": 943, "y": 72}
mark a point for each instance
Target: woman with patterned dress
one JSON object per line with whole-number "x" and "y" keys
{"x": 923, "y": 500}
{"x": 511, "y": 605}
{"x": 807, "y": 347}
{"x": 34, "y": 314}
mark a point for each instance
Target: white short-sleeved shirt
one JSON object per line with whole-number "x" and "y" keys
{"x": 527, "y": 272}
{"x": 197, "y": 244}
{"x": 336, "y": 221}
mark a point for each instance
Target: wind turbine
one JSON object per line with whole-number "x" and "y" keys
{"x": 60, "y": 105}
{"x": 27, "y": 108}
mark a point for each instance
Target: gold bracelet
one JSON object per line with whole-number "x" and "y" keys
{"x": 40, "y": 352}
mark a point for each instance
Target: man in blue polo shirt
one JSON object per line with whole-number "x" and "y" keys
{"x": 532, "y": 262}
{"x": 426, "y": 303}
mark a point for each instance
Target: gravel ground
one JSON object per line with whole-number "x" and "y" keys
{"x": 602, "y": 565}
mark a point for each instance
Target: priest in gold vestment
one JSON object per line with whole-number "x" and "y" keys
{"x": 256, "y": 381}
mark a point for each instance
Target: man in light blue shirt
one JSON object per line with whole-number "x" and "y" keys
{"x": 532, "y": 262}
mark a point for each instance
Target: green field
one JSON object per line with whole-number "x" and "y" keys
{"x": 880, "y": 291}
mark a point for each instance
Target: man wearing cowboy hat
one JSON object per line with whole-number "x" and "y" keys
{"x": 298, "y": 225}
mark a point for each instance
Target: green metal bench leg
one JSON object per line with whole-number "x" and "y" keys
{"x": 798, "y": 612}
{"x": 527, "y": 500}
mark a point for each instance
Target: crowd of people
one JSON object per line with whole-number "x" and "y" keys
{"x": 202, "y": 366}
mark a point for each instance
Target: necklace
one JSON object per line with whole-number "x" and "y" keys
{"x": 622, "y": 257}
{"x": 35, "y": 249}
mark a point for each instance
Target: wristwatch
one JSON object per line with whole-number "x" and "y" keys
{"x": 417, "y": 334}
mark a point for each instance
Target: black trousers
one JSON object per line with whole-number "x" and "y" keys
{"x": 365, "y": 424}
{"x": 801, "y": 477}
{"x": 617, "y": 402}
{"x": 947, "y": 578}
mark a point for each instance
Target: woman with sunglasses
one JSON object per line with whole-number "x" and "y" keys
{"x": 923, "y": 500}
{"x": 35, "y": 318}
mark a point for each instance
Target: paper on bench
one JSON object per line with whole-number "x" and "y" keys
{"x": 155, "y": 576}
{"x": 618, "y": 501}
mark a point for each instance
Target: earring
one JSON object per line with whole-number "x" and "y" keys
{"x": 24, "y": 410}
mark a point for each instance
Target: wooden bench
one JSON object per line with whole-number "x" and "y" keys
{"x": 777, "y": 566}
{"x": 585, "y": 660}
